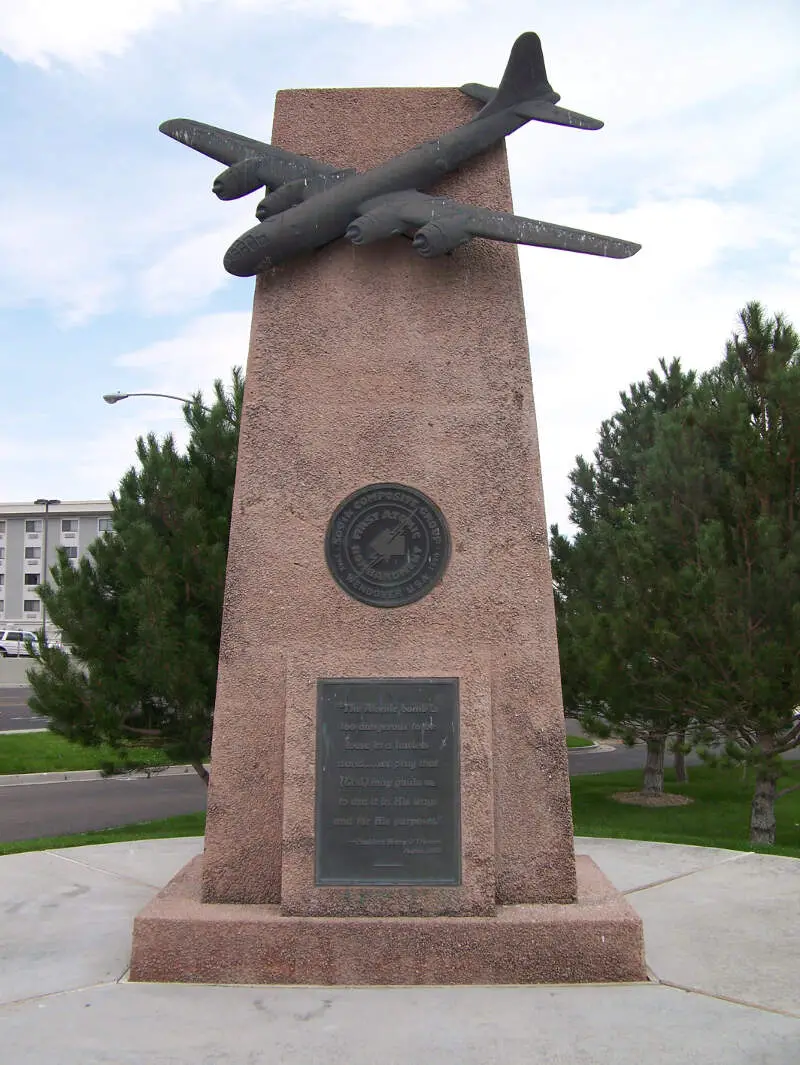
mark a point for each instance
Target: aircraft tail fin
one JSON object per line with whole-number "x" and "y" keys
{"x": 526, "y": 91}
{"x": 524, "y": 78}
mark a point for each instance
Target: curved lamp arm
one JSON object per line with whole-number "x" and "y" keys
{"x": 115, "y": 397}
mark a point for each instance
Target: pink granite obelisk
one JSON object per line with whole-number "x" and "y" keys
{"x": 372, "y": 365}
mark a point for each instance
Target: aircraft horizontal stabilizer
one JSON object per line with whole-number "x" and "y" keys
{"x": 540, "y": 111}
{"x": 482, "y": 93}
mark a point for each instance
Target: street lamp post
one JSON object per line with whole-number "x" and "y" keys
{"x": 46, "y": 503}
{"x": 115, "y": 397}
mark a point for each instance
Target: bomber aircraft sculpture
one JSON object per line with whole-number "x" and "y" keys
{"x": 310, "y": 204}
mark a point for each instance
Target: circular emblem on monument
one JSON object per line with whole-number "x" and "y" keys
{"x": 387, "y": 545}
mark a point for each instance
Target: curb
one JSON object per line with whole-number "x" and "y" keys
{"x": 595, "y": 746}
{"x": 14, "y": 780}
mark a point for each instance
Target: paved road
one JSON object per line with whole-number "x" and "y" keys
{"x": 14, "y": 712}
{"x": 583, "y": 761}
{"x": 33, "y": 810}
{"x": 14, "y": 670}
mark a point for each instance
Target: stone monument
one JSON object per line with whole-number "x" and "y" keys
{"x": 389, "y": 799}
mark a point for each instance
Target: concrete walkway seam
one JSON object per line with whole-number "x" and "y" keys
{"x": 727, "y": 998}
{"x": 95, "y": 868}
{"x": 691, "y": 872}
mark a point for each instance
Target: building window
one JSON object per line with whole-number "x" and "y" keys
{"x": 31, "y": 606}
{"x": 71, "y": 552}
{"x": 33, "y": 578}
{"x": 69, "y": 524}
{"x": 2, "y": 552}
{"x": 105, "y": 525}
{"x": 2, "y": 607}
{"x": 33, "y": 552}
{"x": 2, "y": 579}
{"x": 2, "y": 526}
{"x": 33, "y": 525}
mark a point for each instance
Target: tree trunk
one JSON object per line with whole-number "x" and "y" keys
{"x": 681, "y": 774}
{"x": 654, "y": 766}
{"x": 201, "y": 771}
{"x": 762, "y": 810}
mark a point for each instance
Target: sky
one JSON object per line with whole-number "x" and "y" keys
{"x": 111, "y": 242}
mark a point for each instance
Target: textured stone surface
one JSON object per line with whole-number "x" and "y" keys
{"x": 179, "y": 938}
{"x": 372, "y": 364}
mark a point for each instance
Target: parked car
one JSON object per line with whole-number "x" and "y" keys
{"x": 15, "y": 642}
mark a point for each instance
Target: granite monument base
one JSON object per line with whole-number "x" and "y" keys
{"x": 597, "y": 939}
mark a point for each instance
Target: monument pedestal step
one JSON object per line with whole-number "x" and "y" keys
{"x": 178, "y": 938}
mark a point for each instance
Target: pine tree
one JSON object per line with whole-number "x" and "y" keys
{"x": 614, "y": 592}
{"x": 723, "y": 485}
{"x": 142, "y": 611}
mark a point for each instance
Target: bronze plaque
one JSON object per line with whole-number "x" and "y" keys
{"x": 387, "y": 545}
{"x": 388, "y": 800}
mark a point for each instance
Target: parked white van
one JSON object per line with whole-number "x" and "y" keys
{"x": 14, "y": 642}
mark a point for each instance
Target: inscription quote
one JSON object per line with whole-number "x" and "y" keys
{"x": 388, "y": 781}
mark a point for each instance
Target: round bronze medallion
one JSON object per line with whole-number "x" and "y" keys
{"x": 387, "y": 545}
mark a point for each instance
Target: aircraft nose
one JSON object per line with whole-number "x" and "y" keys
{"x": 248, "y": 255}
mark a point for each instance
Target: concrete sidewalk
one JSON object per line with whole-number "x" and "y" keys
{"x": 722, "y": 937}
{"x": 16, "y": 780}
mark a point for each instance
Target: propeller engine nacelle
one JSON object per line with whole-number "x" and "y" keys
{"x": 438, "y": 238}
{"x": 372, "y": 226}
{"x": 238, "y": 180}
{"x": 288, "y": 195}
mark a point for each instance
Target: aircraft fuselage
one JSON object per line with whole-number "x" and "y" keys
{"x": 325, "y": 215}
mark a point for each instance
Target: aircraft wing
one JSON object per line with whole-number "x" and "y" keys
{"x": 276, "y": 165}
{"x": 444, "y": 224}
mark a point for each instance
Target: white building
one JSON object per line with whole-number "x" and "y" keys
{"x": 28, "y": 546}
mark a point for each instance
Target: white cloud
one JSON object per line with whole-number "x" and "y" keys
{"x": 382, "y": 13}
{"x": 58, "y": 256}
{"x": 82, "y": 452}
{"x": 596, "y": 326}
{"x": 80, "y": 32}
{"x": 76, "y": 31}
{"x": 188, "y": 273}
{"x": 206, "y": 348}
{"x": 92, "y": 253}
{"x": 696, "y": 162}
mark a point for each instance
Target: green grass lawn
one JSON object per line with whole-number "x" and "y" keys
{"x": 169, "y": 828}
{"x": 718, "y": 817}
{"x": 579, "y": 741}
{"x": 46, "y": 752}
